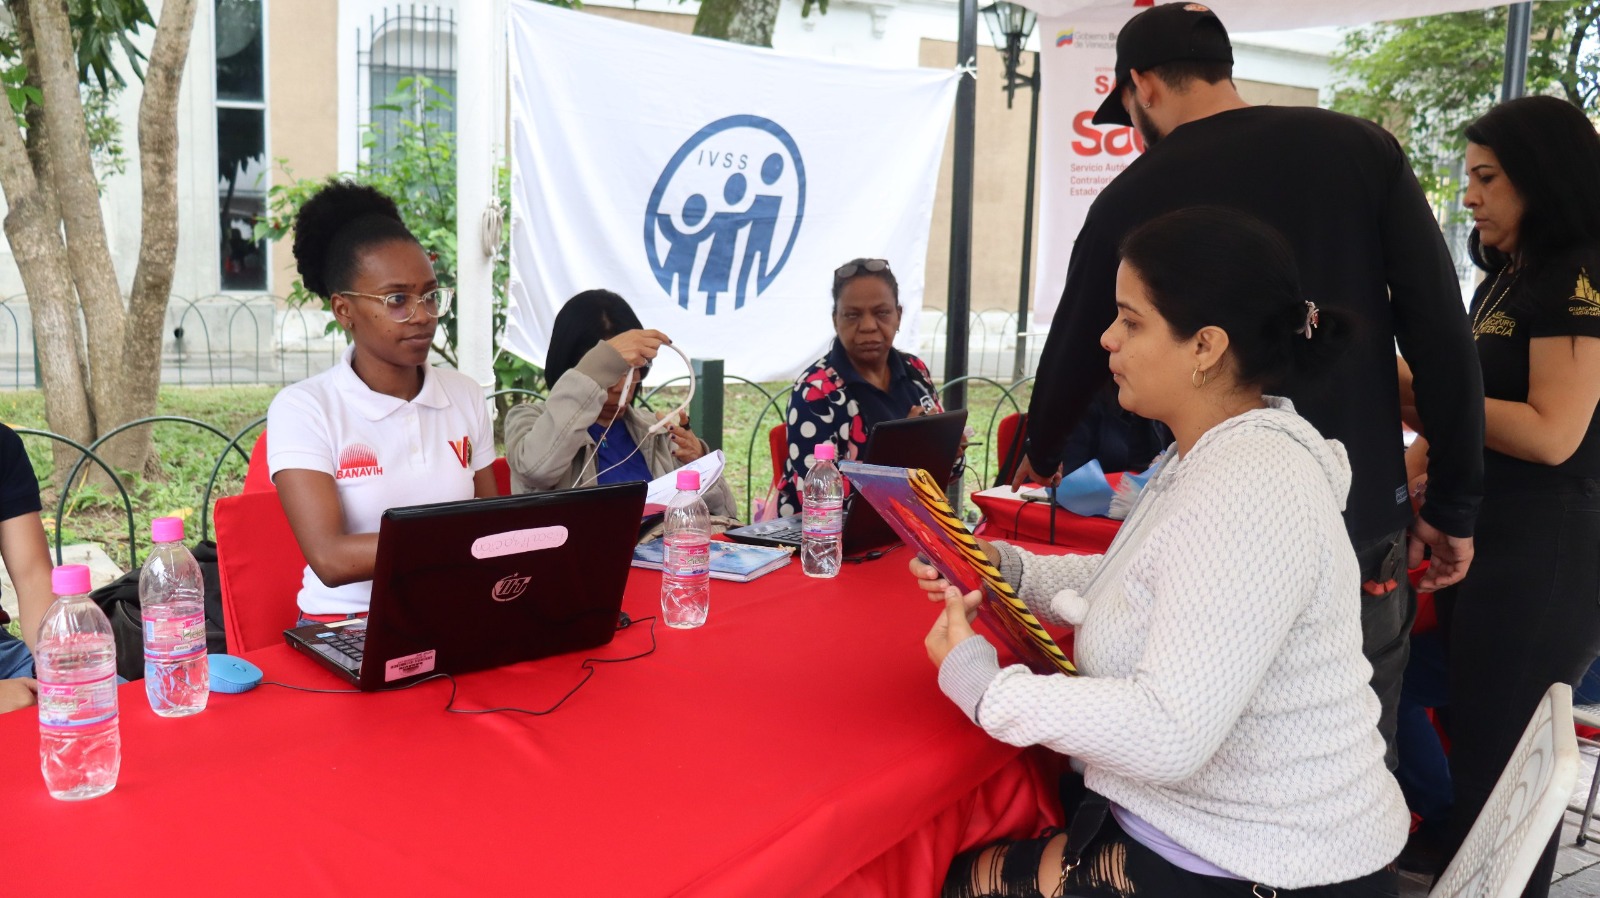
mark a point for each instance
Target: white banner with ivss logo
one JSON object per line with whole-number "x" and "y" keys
{"x": 714, "y": 186}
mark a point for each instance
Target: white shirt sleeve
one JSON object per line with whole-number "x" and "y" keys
{"x": 298, "y": 435}
{"x": 482, "y": 433}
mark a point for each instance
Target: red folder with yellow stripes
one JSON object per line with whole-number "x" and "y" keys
{"x": 914, "y": 505}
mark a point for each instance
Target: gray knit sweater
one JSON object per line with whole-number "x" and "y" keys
{"x": 1225, "y": 699}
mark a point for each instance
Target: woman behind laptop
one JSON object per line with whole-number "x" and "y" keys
{"x": 382, "y": 428}
{"x": 588, "y": 431}
{"x": 861, "y": 381}
{"x": 1224, "y": 722}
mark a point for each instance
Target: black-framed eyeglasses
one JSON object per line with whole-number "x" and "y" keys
{"x": 402, "y": 306}
{"x": 859, "y": 266}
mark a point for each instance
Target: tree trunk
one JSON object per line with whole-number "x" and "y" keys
{"x": 33, "y": 230}
{"x": 90, "y": 257}
{"x": 739, "y": 21}
{"x": 57, "y": 332}
{"x": 158, "y": 237}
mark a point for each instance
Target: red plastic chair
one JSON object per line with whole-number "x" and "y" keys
{"x": 778, "y": 444}
{"x": 260, "y": 566}
{"x": 502, "y": 476}
{"x": 1007, "y": 437}
{"x": 258, "y": 478}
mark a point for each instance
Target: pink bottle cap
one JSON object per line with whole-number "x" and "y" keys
{"x": 167, "y": 530}
{"x": 825, "y": 452}
{"x": 70, "y": 580}
{"x": 688, "y": 480}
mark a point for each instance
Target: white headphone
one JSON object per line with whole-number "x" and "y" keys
{"x": 666, "y": 421}
{"x": 658, "y": 427}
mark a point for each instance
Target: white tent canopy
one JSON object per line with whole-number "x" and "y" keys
{"x": 1278, "y": 15}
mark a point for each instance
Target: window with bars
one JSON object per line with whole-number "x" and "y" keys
{"x": 407, "y": 41}
{"x": 241, "y": 141}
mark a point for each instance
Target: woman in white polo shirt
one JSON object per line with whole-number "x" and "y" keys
{"x": 383, "y": 427}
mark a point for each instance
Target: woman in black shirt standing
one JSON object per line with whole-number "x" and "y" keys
{"x": 1528, "y": 613}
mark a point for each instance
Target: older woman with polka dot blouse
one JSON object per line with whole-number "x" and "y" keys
{"x": 862, "y": 381}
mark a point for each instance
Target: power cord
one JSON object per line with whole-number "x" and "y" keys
{"x": 588, "y": 666}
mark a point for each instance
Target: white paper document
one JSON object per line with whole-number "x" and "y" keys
{"x": 710, "y": 466}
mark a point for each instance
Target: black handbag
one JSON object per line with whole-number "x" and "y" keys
{"x": 119, "y": 599}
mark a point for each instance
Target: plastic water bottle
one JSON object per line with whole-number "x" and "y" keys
{"x": 75, "y": 662}
{"x": 686, "y": 567}
{"x": 172, "y": 595}
{"x": 822, "y": 516}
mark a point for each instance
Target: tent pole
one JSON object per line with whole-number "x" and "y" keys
{"x": 1519, "y": 25}
{"x": 476, "y": 151}
{"x": 960, "y": 296}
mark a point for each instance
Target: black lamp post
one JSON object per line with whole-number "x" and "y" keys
{"x": 1010, "y": 24}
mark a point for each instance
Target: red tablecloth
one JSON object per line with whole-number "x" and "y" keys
{"x": 1047, "y": 523}
{"x": 796, "y": 745}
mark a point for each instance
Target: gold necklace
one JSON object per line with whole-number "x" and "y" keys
{"x": 1491, "y": 302}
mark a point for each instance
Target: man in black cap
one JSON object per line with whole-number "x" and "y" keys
{"x": 1341, "y": 191}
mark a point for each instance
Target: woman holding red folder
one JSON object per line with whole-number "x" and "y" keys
{"x": 1224, "y": 722}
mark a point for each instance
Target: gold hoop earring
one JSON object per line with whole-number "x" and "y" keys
{"x": 1199, "y": 378}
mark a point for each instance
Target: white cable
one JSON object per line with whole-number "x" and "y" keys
{"x": 622, "y": 409}
{"x": 655, "y": 428}
{"x": 666, "y": 421}
{"x": 492, "y": 226}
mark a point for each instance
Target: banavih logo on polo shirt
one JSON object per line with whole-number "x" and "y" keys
{"x": 358, "y": 460}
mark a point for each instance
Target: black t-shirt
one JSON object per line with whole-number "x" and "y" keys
{"x": 19, "y": 489}
{"x": 1557, "y": 299}
{"x": 1341, "y": 192}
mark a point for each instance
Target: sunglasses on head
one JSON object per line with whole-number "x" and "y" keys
{"x": 860, "y": 266}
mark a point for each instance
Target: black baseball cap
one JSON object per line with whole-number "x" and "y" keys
{"x": 1162, "y": 34}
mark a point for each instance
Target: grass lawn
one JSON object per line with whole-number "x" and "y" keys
{"x": 94, "y": 511}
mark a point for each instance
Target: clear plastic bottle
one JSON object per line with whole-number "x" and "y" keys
{"x": 172, "y": 595}
{"x": 75, "y": 662}
{"x": 686, "y": 565}
{"x": 822, "y": 516}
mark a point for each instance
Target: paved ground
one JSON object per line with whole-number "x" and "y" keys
{"x": 1577, "y": 873}
{"x": 102, "y": 570}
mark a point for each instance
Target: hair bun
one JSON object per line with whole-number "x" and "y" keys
{"x": 322, "y": 260}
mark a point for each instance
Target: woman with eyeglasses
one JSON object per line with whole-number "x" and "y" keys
{"x": 588, "y": 431}
{"x": 382, "y": 427}
{"x": 863, "y": 380}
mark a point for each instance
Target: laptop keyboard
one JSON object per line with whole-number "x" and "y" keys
{"x": 344, "y": 647}
{"x": 784, "y": 532}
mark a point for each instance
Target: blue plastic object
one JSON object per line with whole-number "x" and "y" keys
{"x": 1085, "y": 491}
{"x": 232, "y": 674}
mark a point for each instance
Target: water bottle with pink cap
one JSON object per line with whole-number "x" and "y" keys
{"x": 686, "y": 556}
{"x": 75, "y": 662}
{"x": 822, "y": 515}
{"x": 172, "y": 596}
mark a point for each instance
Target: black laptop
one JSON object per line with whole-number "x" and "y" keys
{"x": 929, "y": 442}
{"x": 464, "y": 586}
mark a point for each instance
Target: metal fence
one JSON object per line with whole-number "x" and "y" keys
{"x": 752, "y": 411}
{"x": 235, "y": 340}
{"x": 992, "y": 340}
{"x": 217, "y": 340}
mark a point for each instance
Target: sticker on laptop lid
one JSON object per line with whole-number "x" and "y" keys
{"x": 513, "y": 542}
{"x": 408, "y": 666}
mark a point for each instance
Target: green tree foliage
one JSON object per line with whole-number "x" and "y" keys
{"x": 1426, "y": 79}
{"x": 100, "y": 30}
{"x": 415, "y": 163}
